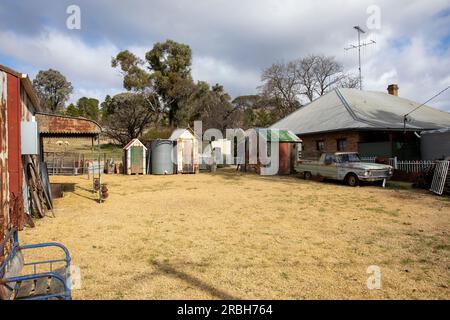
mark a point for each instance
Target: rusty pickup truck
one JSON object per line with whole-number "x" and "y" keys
{"x": 346, "y": 167}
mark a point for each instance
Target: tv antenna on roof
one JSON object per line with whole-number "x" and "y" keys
{"x": 359, "y": 46}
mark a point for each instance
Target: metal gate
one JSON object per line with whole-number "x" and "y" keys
{"x": 441, "y": 177}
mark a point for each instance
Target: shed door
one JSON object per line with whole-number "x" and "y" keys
{"x": 136, "y": 159}
{"x": 188, "y": 159}
{"x": 284, "y": 163}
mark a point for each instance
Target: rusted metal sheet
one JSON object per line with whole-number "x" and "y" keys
{"x": 284, "y": 162}
{"x": 4, "y": 187}
{"x": 27, "y": 106}
{"x": 63, "y": 125}
{"x": 14, "y": 153}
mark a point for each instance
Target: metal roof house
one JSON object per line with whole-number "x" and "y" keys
{"x": 369, "y": 122}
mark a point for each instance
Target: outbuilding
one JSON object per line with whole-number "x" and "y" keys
{"x": 135, "y": 154}
{"x": 186, "y": 155}
{"x": 289, "y": 151}
{"x": 374, "y": 124}
{"x": 18, "y": 136}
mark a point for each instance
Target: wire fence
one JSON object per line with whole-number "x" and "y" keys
{"x": 69, "y": 163}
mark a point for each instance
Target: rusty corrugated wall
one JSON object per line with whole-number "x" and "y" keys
{"x": 284, "y": 161}
{"x": 15, "y": 166}
{"x": 4, "y": 187}
{"x": 62, "y": 125}
{"x": 26, "y": 105}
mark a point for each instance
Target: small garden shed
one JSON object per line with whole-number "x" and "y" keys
{"x": 186, "y": 155}
{"x": 134, "y": 157}
{"x": 289, "y": 149}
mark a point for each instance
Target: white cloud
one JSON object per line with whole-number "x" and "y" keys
{"x": 68, "y": 54}
{"x": 215, "y": 71}
{"x": 233, "y": 40}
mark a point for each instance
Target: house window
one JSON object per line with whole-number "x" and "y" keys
{"x": 342, "y": 144}
{"x": 320, "y": 145}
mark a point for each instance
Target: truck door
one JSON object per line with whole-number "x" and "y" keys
{"x": 329, "y": 168}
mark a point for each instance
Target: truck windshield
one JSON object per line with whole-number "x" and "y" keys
{"x": 348, "y": 157}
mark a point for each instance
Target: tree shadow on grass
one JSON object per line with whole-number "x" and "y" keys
{"x": 172, "y": 272}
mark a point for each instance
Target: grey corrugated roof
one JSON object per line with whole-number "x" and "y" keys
{"x": 355, "y": 109}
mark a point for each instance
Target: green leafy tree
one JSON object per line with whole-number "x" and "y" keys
{"x": 53, "y": 90}
{"x": 105, "y": 107}
{"x": 165, "y": 72}
{"x": 88, "y": 108}
{"x": 211, "y": 105}
{"x": 256, "y": 111}
{"x": 72, "y": 110}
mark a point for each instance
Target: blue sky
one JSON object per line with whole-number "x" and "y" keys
{"x": 232, "y": 41}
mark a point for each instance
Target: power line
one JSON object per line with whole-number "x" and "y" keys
{"x": 359, "y": 46}
{"x": 405, "y": 117}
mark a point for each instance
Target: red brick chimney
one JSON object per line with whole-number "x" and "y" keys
{"x": 393, "y": 89}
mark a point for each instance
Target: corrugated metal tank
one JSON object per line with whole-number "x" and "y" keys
{"x": 161, "y": 157}
{"x": 435, "y": 145}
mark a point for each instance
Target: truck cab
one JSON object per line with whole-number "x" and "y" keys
{"x": 345, "y": 166}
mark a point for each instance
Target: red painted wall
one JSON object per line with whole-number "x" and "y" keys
{"x": 284, "y": 166}
{"x": 14, "y": 148}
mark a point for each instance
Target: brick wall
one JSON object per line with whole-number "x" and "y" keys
{"x": 330, "y": 142}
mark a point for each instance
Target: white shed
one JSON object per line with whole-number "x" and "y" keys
{"x": 134, "y": 158}
{"x": 186, "y": 145}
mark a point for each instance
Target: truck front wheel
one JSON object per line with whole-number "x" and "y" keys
{"x": 352, "y": 180}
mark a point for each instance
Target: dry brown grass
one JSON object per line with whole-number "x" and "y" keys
{"x": 249, "y": 237}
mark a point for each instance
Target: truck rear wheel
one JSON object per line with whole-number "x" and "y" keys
{"x": 307, "y": 175}
{"x": 352, "y": 180}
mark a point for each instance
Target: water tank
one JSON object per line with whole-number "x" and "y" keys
{"x": 161, "y": 157}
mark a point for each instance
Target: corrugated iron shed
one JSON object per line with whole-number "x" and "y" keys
{"x": 4, "y": 176}
{"x": 187, "y": 159}
{"x": 135, "y": 155}
{"x": 26, "y": 84}
{"x": 51, "y": 125}
{"x": 18, "y": 103}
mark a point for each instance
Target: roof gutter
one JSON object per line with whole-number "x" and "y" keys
{"x": 362, "y": 129}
